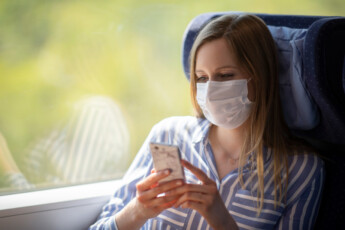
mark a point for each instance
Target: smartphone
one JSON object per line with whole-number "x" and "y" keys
{"x": 167, "y": 156}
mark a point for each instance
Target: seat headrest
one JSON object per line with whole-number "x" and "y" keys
{"x": 298, "y": 53}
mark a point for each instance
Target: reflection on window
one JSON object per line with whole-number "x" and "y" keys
{"x": 82, "y": 82}
{"x": 91, "y": 146}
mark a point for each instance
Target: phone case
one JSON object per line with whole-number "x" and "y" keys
{"x": 167, "y": 157}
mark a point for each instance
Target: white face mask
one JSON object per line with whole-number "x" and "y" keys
{"x": 224, "y": 104}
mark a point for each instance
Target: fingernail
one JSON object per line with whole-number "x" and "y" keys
{"x": 167, "y": 171}
{"x": 179, "y": 183}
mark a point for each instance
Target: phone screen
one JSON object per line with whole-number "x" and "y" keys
{"x": 167, "y": 157}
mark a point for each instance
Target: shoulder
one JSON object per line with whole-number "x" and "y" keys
{"x": 180, "y": 123}
{"x": 173, "y": 129}
{"x": 305, "y": 170}
{"x": 305, "y": 164}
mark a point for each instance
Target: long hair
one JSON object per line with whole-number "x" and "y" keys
{"x": 252, "y": 44}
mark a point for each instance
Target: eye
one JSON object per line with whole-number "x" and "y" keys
{"x": 201, "y": 79}
{"x": 226, "y": 76}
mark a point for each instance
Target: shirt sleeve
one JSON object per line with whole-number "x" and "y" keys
{"x": 302, "y": 210}
{"x": 140, "y": 168}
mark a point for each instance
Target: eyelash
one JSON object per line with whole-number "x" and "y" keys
{"x": 221, "y": 76}
{"x": 227, "y": 75}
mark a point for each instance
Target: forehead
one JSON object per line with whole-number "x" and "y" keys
{"x": 214, "y": 54}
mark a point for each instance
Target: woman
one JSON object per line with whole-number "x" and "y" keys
{"x": 244, "y": 169}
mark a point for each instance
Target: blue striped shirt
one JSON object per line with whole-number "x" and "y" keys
{"x": 297, "y": 211}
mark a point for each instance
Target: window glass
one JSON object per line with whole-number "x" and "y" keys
{"x": 82, "y": 81}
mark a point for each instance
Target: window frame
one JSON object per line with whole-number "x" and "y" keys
{"x": 73, "y": 207}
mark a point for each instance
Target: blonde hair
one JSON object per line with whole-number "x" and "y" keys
{"x": 253, "y": 45}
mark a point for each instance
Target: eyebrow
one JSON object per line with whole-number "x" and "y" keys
{"x": 219, "y": 68}
{"x": 227, "y": 67}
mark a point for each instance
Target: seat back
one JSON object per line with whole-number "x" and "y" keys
{"x": 312, "y": 90}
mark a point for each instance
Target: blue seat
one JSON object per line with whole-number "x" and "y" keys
{"x": 311, "y": 52}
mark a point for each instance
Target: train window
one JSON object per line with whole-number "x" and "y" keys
{"x": 82, "y": 82}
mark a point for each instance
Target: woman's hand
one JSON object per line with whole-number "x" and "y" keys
{"x": 205, "y": 199}
{"x": 149, "y": 202}
{"x": 151, "y": 194}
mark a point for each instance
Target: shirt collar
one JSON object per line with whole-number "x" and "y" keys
{"x": 202, "y": 134}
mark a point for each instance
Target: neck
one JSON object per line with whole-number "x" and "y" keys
{"x": 228, "y": 142}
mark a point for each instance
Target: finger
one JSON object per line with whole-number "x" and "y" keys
{"x": 191, "y": 196}
{"x": 152, "y": 179}
{"x": 160, "y": 189}
{"x": 168, "y": 204}
{"x": 157, "y": 202}
{"x": 156, "y": 184}
{"x": 189, "y": 188}
{"x": 197, "y": 172}
{"x": 192, "y": 205}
